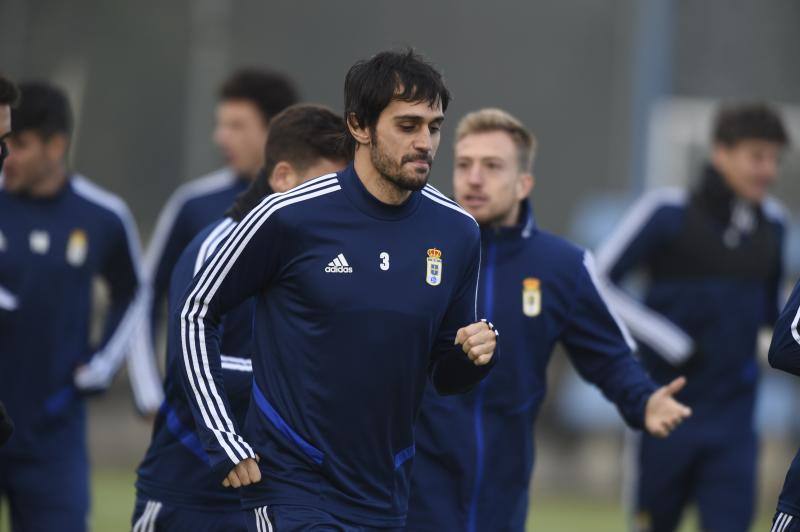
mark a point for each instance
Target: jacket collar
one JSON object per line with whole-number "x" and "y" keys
{"x": 524, "y": 228}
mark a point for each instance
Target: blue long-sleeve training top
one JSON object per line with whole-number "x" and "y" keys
{"x": 175, "y": 469}
{"x": 51, "y": 251}
{"x": 475, "y": 452}
{"x": 784, "y": 354}
{"x": 356, "y": 302}
{"x": 712, "y": 265}
{"x": 189, "y": 210}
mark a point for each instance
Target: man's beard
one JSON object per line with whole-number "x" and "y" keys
{"x": 396, "y": 173}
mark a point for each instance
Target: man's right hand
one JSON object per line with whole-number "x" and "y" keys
{"x": 245, "y": 473}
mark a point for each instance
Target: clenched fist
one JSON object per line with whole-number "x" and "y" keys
{"x": 478, "y": 341}
{"x": 245, "y": 473}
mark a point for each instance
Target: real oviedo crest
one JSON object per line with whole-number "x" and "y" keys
{"x": 77, "y": 247}
{"x": 433, "y": 273}
{"x": 531, "y": 297}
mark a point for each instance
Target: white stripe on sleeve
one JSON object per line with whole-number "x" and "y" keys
{"x": 601, "y": 287}
{"x": 666, "y": 338}
{"x": 204, "y": 390}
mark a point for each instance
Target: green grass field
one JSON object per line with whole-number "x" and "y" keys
{"x": 113, "y": 501}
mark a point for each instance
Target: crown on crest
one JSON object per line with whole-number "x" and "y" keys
{"x": 435, "y": 253}
{"x": 531, "y": 283}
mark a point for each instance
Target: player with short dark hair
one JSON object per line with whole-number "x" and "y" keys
{"x": 270, "y": 92}
{"x": 364, "y": 282}
{"x": 712, "y": 263}
{"x": 175, "y": 488}
{"x": 9, "y": 94}
{"x": 248, "y": 101}
{"x": 58, "y": 233}
{"x": 475, "y": 452}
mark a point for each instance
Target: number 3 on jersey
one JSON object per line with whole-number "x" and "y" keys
{"x": 384, "y": 260}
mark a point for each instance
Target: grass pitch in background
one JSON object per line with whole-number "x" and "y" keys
{"x": 113, "y": 496}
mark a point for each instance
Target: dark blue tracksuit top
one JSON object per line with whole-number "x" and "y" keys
{"x": 712, "y": 266}
{"x": 51, "y": 251}
{"x": 175, "y": 469}
{"x": 475, "y": 452}
{"x": 357, "y": 302}
{"x": 784, "y": 354}
{"x": 189, "y": 210}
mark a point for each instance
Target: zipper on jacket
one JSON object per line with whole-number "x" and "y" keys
{"x": 488, "y": 303}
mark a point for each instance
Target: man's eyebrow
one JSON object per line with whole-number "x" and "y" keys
{"x": 418, "y": 118}
{"x": 4, "y": 137}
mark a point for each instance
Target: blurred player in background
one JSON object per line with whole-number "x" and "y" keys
{"x": 176, "y": 490}
{"x": 248, "y": 101}
{"x": 58, "y": 232}
{"x": 9, "y": 94}
{"x": 784, "y": 354}
{"x": 365, "y": 283}
{"x": 712, "y": 261}
{"x": 475, "y": 451}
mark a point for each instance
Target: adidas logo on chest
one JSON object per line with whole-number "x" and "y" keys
{"x": 339, "y": 265}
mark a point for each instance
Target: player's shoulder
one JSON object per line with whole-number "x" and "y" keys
{"x": 775, "y": 211}
{"x": 210, "y": 232}
{"x": 296, "y": 205}
{"x": 557, "y": 253}
{"x": 662, "y": 199}
{"x": 450, "y": 211}
{"x": 204, "y": 244}
{"x": 543, "y": 241}
{"x": 97, "y": 198}
{"x": 201, "y": 188}
{"x": 660, "y": 209}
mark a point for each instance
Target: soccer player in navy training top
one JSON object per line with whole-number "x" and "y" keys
{"x": 176, "y": 490}
{"x": 712, "y": 263}
{"x": 248, "y": 101}
{"x": 475, "y": 451}
{"x": 58, "y": 232}
{"x": 365, "y": 284}
{"x": 784, "y": 354}
{"x": 9, "y": 94}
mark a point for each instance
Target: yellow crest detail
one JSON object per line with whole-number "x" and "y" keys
{"x": 433, "y": 272}
{"x": 531, "y": 297}
{"x": 435, "y": 253}
{"x": 77, "y": 247}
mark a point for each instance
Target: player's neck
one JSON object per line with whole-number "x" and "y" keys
{"x": 49, "y": 186}
{"x": 510, "y": 219}
{"x": 376, "y": 184}
{"x": 250, "y": 174}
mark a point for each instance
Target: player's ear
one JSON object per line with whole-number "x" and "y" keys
{"x": 360, "y": 133}
{"x": 525, "y": 185}
{"x": 720, "y": 154}
{"x": 283, "y": 177}
{"x": 56, "y": 147}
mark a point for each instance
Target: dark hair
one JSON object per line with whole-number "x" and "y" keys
{"x": 736, "y": 122}
{"x": 271, "y": 92}
{"x": 250, "y": 198}
{"x": 372, "y": 84}
{"x": 9, "y": 94}
{"x": 301, "y": 135}
{"x": 42, "y": 108}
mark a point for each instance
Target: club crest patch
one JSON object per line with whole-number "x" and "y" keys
{"x": 531, "y": 297}
{"x": 433, "y": 273}
{"x": 77, "y": 247}
{"x": 39, "y": 242}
